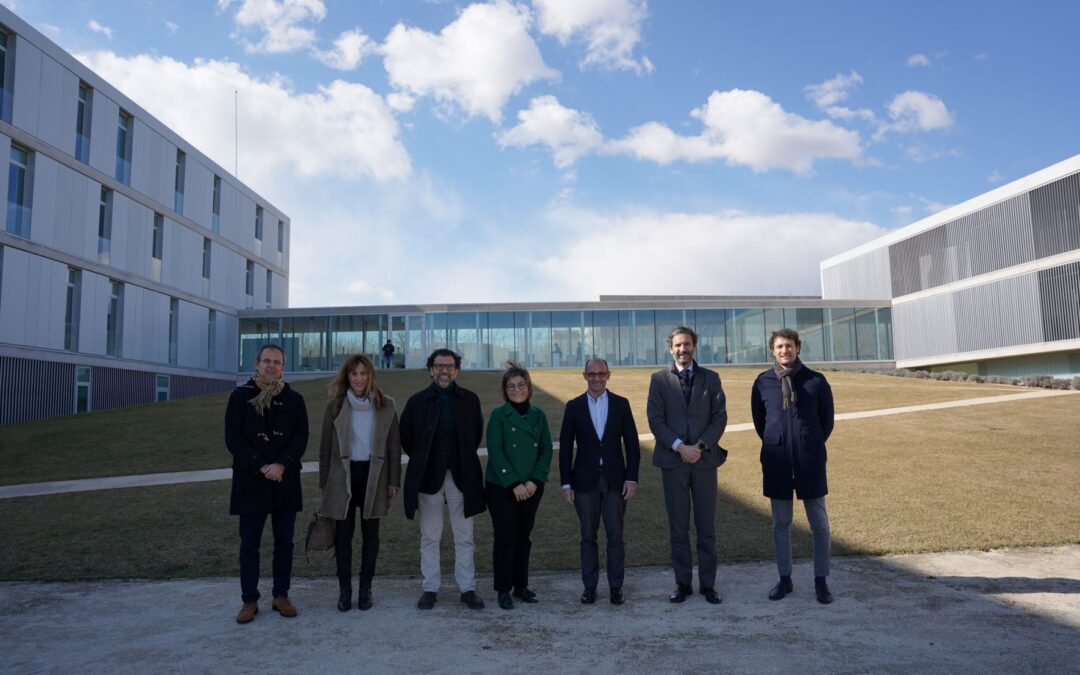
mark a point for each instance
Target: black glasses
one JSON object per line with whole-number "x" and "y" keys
{"x": 443, "y": 367}
{"x": 272, "y": 362}
{"x": 596, "y": 376}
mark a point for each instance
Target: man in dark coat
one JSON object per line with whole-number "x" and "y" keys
{"x": 441, "y": 430}
{"x": 602, "y": 476}
{"x": 266, "y": 431}
{"x": 792, "y": 408}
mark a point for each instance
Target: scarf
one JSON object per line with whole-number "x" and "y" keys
{"x": 785, "y": 375}
{"x": 268, "y": 389}
{"x": 361, "y": 418}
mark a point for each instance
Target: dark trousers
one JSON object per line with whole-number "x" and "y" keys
{"x": 689, "y": 487}
{"x": 512, "y": 522}
{"x": 251, "y": 530}
{"x": 369, "y": 530}
{"x": 608, "y": 504}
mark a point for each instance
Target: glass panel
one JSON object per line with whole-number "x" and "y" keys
{"x": 540, "y": 347}
{"x": 304, "y": 340}
{"x": 668, "y": 320}
{"x": 375, "y": 326}
{"x": 567, "y": 340}
{"x": 463, "y": 335}
{"x": 436, "y": 331}
{"x": 501, "y": 344}
{"x": 414, "y": 348}
{"x": 346, "y": 338}
{"x": 884, "y": 315}
{"x": 842, "y": 330}
{"x": 747, "y": 331}
{"x": 807, "y": 322}
{"x": 866, "y": 333}
{"x": 712, "y": 335}
{"x": 605, "y": 336}
{"x": 254, "y": 333}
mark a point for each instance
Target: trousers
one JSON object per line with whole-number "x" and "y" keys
{"x": 431, "y": 526}
{"x": 251, "y": 529}
{"x": 369, "y": 531}
{"x": 782, "y": 512}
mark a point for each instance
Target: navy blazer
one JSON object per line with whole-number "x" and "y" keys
{"x": 620, "y": 438}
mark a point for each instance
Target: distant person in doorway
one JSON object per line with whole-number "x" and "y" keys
{"x": 388, "y": 355}
{"x": 792, "y": 407}
{"x": 441, "y": 429}
{"x": 266, "y": 431}
{"x": 359, "y": 469}
{"x": 519, "y": 457}
{"x": 598, "y": 467}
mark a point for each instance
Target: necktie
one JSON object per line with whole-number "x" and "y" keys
{"x": 685, "y": 383}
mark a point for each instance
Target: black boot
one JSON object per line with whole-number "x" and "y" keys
{"x": 363, "y": 599}
{"x": 344, "y": 601}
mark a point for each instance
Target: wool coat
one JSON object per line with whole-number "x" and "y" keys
{"x": 793, "y": 451}
{"x": 278, "y": 436}
{"x": 335, "y": 475}
{"x": 519, "y": 447}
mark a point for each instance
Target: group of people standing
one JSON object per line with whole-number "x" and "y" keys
{"x": 440, "y": 429}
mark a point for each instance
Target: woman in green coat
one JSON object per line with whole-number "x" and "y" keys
{"x": 519, "y": 456}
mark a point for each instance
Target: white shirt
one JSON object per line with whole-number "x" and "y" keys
{"x": 598, "y": 412}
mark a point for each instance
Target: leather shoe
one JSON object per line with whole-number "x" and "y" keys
{"x": 780, "y": 590}
{"x": 616, "y": 596}
{"x": 472, "y": 600}
{"x": 588, "y": 596}
{"x": 247, "y": 612}
{"x": 282, "y": 606}
{"x": 821, "y": 590}
{"x": 526, "y": 595}
{"x": 505, "y": 601}
{"x": 344, "y": 600}
{"x": 427, "y": 600}
{"x": 363, "y": 599}
{"x": 711, "y": 596}
{"x": 680, "y": 592}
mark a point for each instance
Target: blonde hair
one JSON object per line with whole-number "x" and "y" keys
{"x": 340, "y": 384}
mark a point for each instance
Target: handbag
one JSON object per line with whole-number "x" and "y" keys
{"x": 320, "y": 534}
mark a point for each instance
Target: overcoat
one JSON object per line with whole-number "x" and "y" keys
{"x": 419, "y": 420}
{"x": 279, "y": 436}
{"x": 335, "y": 476}
{"x": 519, "y": 447}
{"x": 793, "y": 451}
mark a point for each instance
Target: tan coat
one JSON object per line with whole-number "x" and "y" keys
{"x": 334, "y": 475}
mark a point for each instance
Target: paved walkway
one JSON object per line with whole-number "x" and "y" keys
{"x": 172, "y": 478}
{"x": 1006, "y": 611}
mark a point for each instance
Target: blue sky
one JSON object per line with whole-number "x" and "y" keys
{"x": 560, "y": 149}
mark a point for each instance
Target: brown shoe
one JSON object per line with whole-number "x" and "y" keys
{"x": 283, "y": 607}
{"x": 247, "y": 612}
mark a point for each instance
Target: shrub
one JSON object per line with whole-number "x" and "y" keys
{"x": 1076, "y": 383}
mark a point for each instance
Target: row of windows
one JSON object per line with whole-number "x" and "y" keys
{"x": 84, "y": 382}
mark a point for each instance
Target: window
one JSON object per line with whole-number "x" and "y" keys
{"x": 1, "y": 273}
{"x": 211, "y": 340}
{"x": 82, "y": 124}
{"x": 19, "y": 175}
{"x": 178, "y": 183}
{"x": 114, "y": 320}
{"x": 104, "y": 226}
{"x": 280, "y": 236}
{"x": 206, "y": 258}
{"x": 249, "y": 279}
{"x": 123, "y": 147}
{"x": 7, "y": 63}
{"x": 82, "y": 389}
{"x": 71, "y": 310}
{"x": 258, "y": 223}
{"x": 157, "y": 246}
{"x": 174, "y": 329}
{"x": 217, "y": 205}
{"x": 161, "y": 387}
{"x": 269, "y": 288}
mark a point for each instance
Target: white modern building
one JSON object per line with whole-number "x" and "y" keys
{"x": 989, "y": 286}
{"x": 125, "y": 253}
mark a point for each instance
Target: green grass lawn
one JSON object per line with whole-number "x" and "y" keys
{"x": 980, "y": 477}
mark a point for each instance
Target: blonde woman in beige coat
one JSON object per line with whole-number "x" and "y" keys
{"x": 359, "y": 468}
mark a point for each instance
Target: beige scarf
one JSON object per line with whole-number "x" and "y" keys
{"x": 268, "y": 389}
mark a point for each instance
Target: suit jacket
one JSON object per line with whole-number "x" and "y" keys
{"x": 703, "y": 420}
{"x": 618, "y": 448}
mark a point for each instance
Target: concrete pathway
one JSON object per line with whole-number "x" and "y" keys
{"x": 144, "y": 480}
{"x": 1006, "y": 611}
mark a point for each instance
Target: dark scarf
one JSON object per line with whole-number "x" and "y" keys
{"x": 785, "y": 376}
{"x": 268, "y": 389}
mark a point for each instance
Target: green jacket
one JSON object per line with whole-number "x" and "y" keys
{"x": 519, "y": 448}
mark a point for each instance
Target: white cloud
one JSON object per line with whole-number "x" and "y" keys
{"x": 476, "y": 63}
{"x": 731, "y": 246}
{"x": 566, "y": 132}
{"x": 611, "y": 30}
{"x": 744, "y": 128}
{"x": 98, "y": 28}
{"x": 830, "y": 93}
{"x": 171, "y": 27}
{"x": 931, "y": 206}
{"x": 916, "y": 111}
{"x": 276, "y": 23}
{"x": 350, "y": 49}
{"x": 995, "y": 177}
{"x": 918, "y": 61}
{"x": 342, "y": 129}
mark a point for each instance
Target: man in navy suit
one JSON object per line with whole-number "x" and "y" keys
{"x": 602, "y": 476}
{"x": 687, "y": 414}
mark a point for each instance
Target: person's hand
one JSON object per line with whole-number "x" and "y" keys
{"x": 274, "y": 472}
{"x": 568, "y": 495}
{"x": 689, "y": 453}
{"x": 521, "y": 493}
{"x": 531, "y": 487}
{"x": 628, "y": 490}
{"x": 391, "y": 492}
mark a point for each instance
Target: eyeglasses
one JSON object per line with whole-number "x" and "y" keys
{"x": 443, "y": 367}
{"x": 597, "y": 376}
{"x": 272, "y": 362}
{"x": 520, "y": 386}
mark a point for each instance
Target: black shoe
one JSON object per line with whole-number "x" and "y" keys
{"x": 821, "y": 590}
{"x": 616, "y": 596}
{"x": 680, "y": 592}
{"x": 780, "y": 590}
{"x": 526, "y": 595}
{"x": 363, "y": 599}
{"x": 344, "y": 601}
{"x": 588, "y": 596}
{"x": 472, "y": 600}
{"x": 505, "y": 601}
{"x": 426, "y": 601}
{"x": 711, "y": 596}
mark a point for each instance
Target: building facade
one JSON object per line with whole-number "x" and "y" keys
{"x": 126, "y": 254}
{"x": 989, "y": 286}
